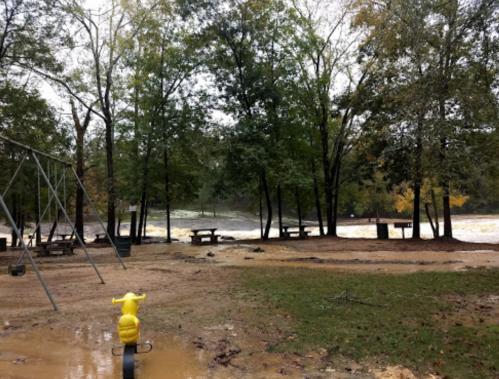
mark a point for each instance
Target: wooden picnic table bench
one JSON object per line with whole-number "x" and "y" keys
{"x": 403, "y": 225}
{"x": 197, "y": 239}
{"x": 301, "y": 232}
{"x": 46, "y": 248}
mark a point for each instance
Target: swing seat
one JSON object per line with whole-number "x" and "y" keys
{"x": 17, "y": 270}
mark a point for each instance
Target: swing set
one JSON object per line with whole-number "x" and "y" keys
{"x": 19, "y": 269}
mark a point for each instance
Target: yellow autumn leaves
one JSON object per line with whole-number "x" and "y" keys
{"x": 404, "y": 201}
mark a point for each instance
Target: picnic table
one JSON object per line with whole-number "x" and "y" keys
{"x": 46, "y": 248}
{"x": 64, "y": 236}
{"x": 197, "y": 239}
{"x": 403, "y": 225}
{"x": 301, "y": 232}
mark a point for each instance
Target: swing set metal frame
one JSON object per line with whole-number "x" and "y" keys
{"x": 30, "y": 152}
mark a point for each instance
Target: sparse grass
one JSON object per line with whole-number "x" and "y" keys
{"x": 412, "y": 324}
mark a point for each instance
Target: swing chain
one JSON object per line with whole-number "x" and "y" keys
{"x": 64, "y": 199}
{"x": 39, "y": 231}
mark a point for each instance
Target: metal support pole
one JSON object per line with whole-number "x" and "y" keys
{"x": 41, "y": 217}
{"x": 98, "y": 217}
{"x": 16, "y": 230}
{"x": 15, "y": 175}
{"x": 30, "y": 149}
{"x": 67, "y": 217}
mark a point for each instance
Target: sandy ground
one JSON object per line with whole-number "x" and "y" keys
{"x": 190, "y": 298}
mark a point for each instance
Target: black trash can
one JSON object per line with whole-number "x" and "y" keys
{"x": 382, "y": 229}
{"x": 3, "y": 244}
{"x": 124, "y": 246}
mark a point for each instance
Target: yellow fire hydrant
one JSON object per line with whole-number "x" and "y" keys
{"x": 129, "y": 324}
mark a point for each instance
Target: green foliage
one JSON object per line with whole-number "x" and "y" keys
{"x": 215, "y": 96}
{"x": 429, "y": 104}
{"x": 27, "y": 118}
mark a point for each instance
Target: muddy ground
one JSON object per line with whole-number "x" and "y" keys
{"x": 195, "y": 307}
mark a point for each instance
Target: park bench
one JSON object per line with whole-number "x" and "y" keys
{"x": 301, "y": 232}
{"x": 403, "y": 225}
{"x": 197, "y": 239}
{"x": 46, "y": 248}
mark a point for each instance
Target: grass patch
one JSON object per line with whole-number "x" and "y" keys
{"x": 429, "y": 322}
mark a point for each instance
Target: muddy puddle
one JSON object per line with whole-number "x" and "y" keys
{"x": 86, "y": 353}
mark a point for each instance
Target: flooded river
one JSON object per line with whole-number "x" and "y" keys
{"x": 247, "y": 226}
{"x": 465, "y": 228}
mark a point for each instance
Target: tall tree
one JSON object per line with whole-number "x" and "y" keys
{"x": 250, "y": 70}
{"x": 426, "y": 53}
{"x": 323, "y": 48}
{"x": 107, "y": 35}
{"x": 81, "y": 129}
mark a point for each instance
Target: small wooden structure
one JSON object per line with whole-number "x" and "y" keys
{"x": 46, "y": 248}
{"x": 403, "y": 225}
{"x": 301, "y": 232}
{"x": 197, "y": 239}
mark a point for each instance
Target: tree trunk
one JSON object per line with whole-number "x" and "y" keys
{"x": 447, "y": 215}
{"x": 377, "y": 212}
{"x": 445, "y": 188}
{"x": 418, "y": 180}
{"x": 145, "y": 218}
{"x": 142, "y": 215}
{"x": 336, "y": 198}
{"x": 298, "y": 206}
{"x": 269, "y": 206}
{"x": 261, "y": 211}
{"x": 443, "y": 156}
{"x": 80, "y": 172}
{"x": 435, "y": 210}
{"x": 317, "y": 199}
{"x": 133, "y": 227}
{"x": 111, "y": 195}
{"x": 21, "y": 222}
{"x": 80, "y": 165}
{"x": 427, "y": 210}
{"x": 118, "y": 229}
{"x": 167, "y": 195}
{"x": 416, "y": 226}
{"x": 14, "y": 217}
{"x": 279, "y": 209}
{"x": 145, "y": 179}
{"x": 327, "y": 185}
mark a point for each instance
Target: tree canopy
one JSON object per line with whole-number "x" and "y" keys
{"x": 320, "y": 108}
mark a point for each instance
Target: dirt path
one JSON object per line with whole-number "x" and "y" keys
{"x": 192, "y": 299}
{"x": 332, "y": 244}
